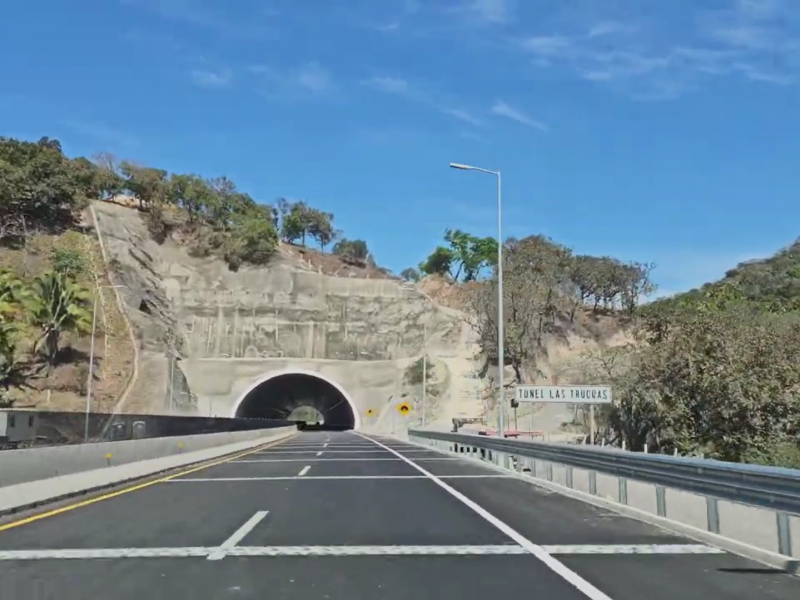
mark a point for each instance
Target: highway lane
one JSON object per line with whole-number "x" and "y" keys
{"x": 335, "y": 516}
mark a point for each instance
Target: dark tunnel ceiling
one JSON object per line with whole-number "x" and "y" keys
{"x": 277, "y": 397}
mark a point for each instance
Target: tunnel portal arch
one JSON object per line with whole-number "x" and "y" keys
{"x": 267, "y": 392}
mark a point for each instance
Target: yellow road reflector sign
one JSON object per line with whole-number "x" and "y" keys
{"x": 369, "y": 412}
{"x": 404, "y": 408}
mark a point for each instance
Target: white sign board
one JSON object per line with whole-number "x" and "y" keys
{"x": 564, "y": 394}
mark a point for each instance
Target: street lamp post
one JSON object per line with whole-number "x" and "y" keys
{"x": 500, "y": 335}
{"x": 424, "y": 369}
{"x": 91, "y": 359}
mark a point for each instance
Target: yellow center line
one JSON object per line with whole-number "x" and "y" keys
{"x": 138, "y": 486}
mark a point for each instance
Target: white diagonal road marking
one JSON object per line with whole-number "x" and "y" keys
{"x": 238, "y": 536}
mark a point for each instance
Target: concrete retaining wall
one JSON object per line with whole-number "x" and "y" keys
{"x": 20, "y": 466}
{"x": 14, "y": 498}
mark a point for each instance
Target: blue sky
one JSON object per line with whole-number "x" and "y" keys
{"x": 664, "y": 131}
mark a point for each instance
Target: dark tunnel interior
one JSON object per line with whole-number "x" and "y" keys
{"x": 282, "y": 397}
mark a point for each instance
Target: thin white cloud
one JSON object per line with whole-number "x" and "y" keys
{"x": 401, "y": 87}
{"x": 670, "y": 52}
{"x": 501, "y": 109}
{"x": 470, "y": 135}
{"x": 411, "y": 6}
{"x": 760, "y": 9}
{"x": 492, "y": 11}
{"x": 390, "y": 85}
{"x": 610, "y": 28}
{"x": 314, "y": 78}
{"x": 307, "y": 78}
{"x": 388, "y": 27}
{"x": 101, "y": 133}
{"x": 201, "y": 15}
{"x": 483, "y": 13}
{"x": 212, "y": 79}
{"x": 462, "y": 115}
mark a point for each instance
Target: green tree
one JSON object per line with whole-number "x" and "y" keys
{"x": 108, "y": 180}
{"x": 470, "y": 254}
{"x": 67, "y": 261}
{"x": 439, "y": 262}
{"x": 253, "y": 238}
{"x": 146, "y": 184}
{"x": 320, "y": 227}
{"x": 352, "y": 251}
{"x": 59, "y": 305}
{"x": 415, "y": 373}
{"x": 38, "y": 187}
{"x": 410, "y": 274}
{"x": 294, "y": 221}
{"x": 535, "y": 271}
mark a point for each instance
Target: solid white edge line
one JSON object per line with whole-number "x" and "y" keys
{"x": 237, "y": 536}
{"x": 410, "y": 550}
{"x": 537, "y": 551}
{"x": 304, "y": 470}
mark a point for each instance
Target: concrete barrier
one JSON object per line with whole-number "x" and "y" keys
{"x": 60, "y": 428}
{"x": 21, "y": 466}
{"x": 22, "y": 496}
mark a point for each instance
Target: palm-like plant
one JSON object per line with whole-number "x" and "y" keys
{"x": 12, "y": 370}
{"x": 60, "y": 305}
{"x": 13, "y": 296}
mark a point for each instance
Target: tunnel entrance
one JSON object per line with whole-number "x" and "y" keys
{"x": 296, "y": 395}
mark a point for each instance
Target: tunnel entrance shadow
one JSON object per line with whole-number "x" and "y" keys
{"x": 321, "y": 427}
{"x": 276, "y": 396}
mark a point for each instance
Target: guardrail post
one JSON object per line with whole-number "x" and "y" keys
{"x": 712, "y": 514}
{"x": 593, "y": 483}
{"x": 623, "y": 490}
{"x": 569, "y": 476}
{"x": 549, "y": 470}
{"x": 784, "y": 534}
{"x": 661, "y": 501}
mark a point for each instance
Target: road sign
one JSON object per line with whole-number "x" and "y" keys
{"x": 403, "y": 408}
{"x": 369, "y": 412}
{"x": 564, "y": 394}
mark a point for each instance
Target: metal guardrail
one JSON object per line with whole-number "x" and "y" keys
{"x": 773, "y": 488}
{"x": 645, "y": 483}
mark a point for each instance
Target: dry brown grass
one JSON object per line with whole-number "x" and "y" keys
{"x": 329, "y": 264}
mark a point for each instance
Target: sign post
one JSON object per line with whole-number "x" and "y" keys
{"x": 566, "y": 394}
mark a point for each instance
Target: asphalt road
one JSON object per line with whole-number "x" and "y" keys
{"x": 337, "y": 516}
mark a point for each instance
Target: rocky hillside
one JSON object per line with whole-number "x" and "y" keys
{"x": 180, "y": 248}
{"x": 202, "y": 270}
